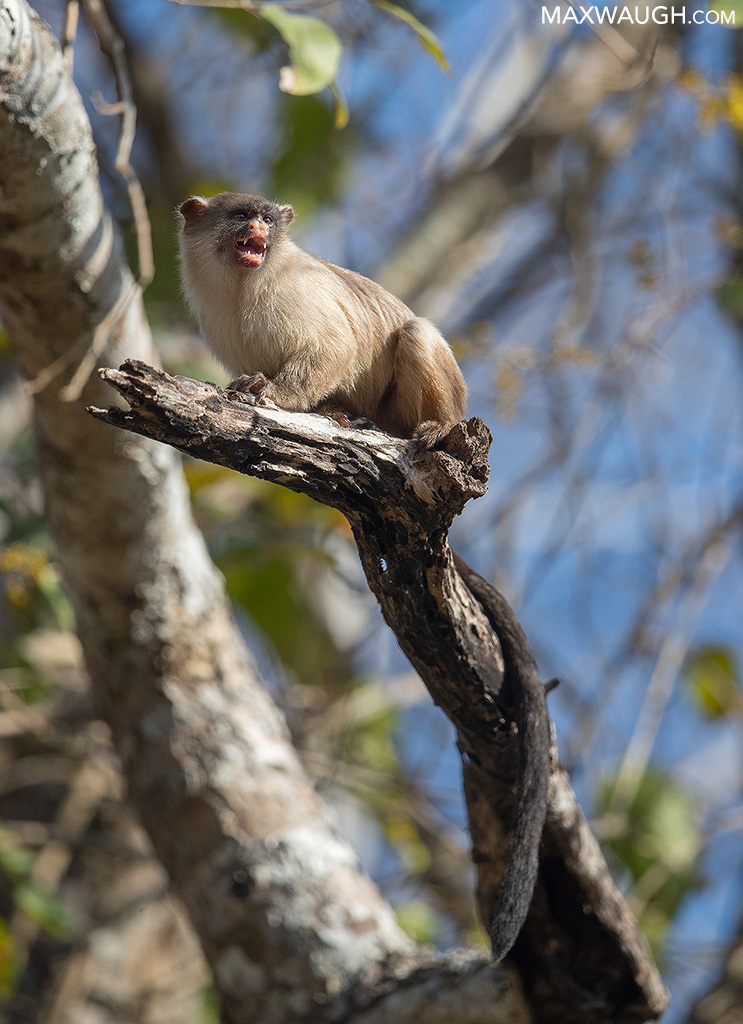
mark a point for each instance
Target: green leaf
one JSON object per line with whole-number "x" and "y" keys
{"x": 50, "y": 585}
{"x": 730, "y": 296}
{"x": 712, "y": 681}
{"x": 729, "y": 7}
{"x": 312, "y": 155}
{"x": 412, "y": 851}
{"x": 15, "y": 861}
{"x": 372, "y": 742}
{"x": 246, "y": 23}
{"x": 428, "y": 40}
{"x": 314, "y": 50}
{"x": 341, "y": 107}
{"x": 661, "y": 826}
{"x": 265, "y": 584}
{"x": 669, "y": 820}
{"x": 418, "y": 920}
{"x": 9, "y": 966}
{"x": 658, "y": 844}
{"x": 43, "y": 907}
{"x": 211, "y": 1013}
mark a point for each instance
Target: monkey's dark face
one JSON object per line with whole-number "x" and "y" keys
{"x": 243, "y": 228}
{"x": 250, "y": 245}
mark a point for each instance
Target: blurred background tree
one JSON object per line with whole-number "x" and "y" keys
{"x": 565, "y": 202}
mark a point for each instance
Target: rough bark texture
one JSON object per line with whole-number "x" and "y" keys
{"x": 293, "y": 930}
{"x": 580, "y": 951}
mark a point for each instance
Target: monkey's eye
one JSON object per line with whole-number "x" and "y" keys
{"x": 239, "y": 215}
{"x": 268, "y": 219}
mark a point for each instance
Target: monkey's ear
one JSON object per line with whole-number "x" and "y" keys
{"x": 287, "y": 214}
{"x": 193, "y": 208}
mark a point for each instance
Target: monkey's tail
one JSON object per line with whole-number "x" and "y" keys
{"x": 527, "y": 706}
{"x": 517, "y": 886}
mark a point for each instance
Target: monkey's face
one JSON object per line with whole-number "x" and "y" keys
{"x": 241, "y": 228}
{"x": 251, "y": 244}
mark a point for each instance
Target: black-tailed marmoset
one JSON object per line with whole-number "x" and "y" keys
{"x": 311, "y": 336}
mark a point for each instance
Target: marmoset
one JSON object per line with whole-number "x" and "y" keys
{"x": 311, "y": 336}
{"x": 306, "y": 334}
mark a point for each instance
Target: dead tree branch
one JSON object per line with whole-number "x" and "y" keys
{"x": 580, "y": 950}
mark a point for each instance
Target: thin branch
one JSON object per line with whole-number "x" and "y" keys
{"x": 251, "y": 6}
{"x": 69, "y": 33}
{"x": 101, "y": 336}
{"x": 113, "y": 47}
{"x": 670, "y": 659}
{"x": 615, "y": 41}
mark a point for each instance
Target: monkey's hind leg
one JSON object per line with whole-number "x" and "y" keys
{"x": 430, "y": 394}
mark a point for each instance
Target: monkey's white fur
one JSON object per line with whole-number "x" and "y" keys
{"x": 325, "y": 337}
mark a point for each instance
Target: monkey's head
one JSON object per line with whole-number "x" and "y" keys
{"x": 239, "y": 229}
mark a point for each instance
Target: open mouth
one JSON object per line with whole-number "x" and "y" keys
{"x": 251, "y": 252}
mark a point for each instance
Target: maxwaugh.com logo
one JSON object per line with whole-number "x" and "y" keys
{"x": 636, "y": 14}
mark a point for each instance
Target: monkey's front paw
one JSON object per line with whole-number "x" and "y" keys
{"x": 253, "y": 387}
{"x": 249, "y": 384}
{"x": 341, "y": 418}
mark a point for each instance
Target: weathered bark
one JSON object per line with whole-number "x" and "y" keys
{"x": 292, "y": 929}
{"x": 580, "y": 950}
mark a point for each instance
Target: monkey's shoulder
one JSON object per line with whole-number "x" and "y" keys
{"x": 371, "y": 294}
